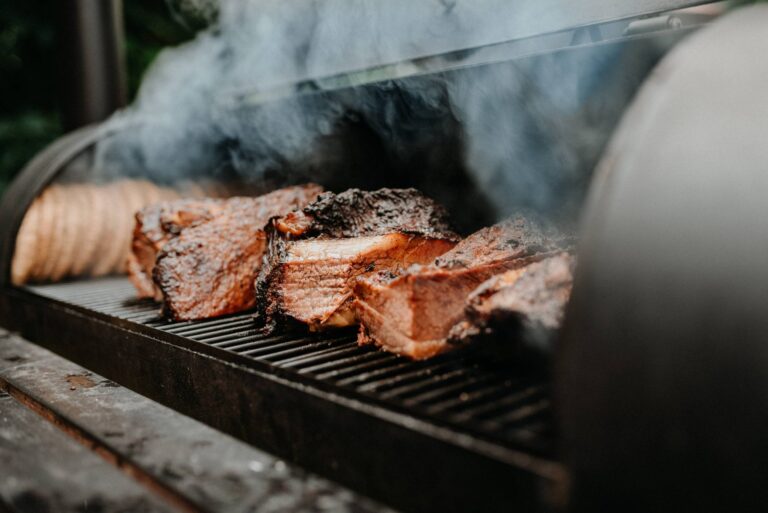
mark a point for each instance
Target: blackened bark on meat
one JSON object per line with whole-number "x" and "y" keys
{"x": 517, "y": 316}
{"x": 155, "y": 226}
{"x": 517, "y": 237}
{"x": 268, "y": 299}
{"x": 209, "y": 268}
{"x": 356, "y": 213}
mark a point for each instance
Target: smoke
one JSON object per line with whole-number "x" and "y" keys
{"x": 233, "y": 103}
{"x": 535, "y": 129}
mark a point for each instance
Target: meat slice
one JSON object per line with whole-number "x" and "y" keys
{"x": 521, "y": 309}
{"x": 318, "y": 252}
{"x": 412, "y": 314}
{"x": 209, "y": 258}
{"x": 78, "y": 230}
{"x": 157, "y": 224}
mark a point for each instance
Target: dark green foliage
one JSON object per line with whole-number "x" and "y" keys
{"x": 29, "y": 116}
{"x": 150, "y": 26}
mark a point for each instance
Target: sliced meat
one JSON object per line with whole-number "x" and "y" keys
{"x": 313, "y": 282}
{"x": 318, "y": 252}
{"x": 76, "y": 230}
{"x": 521, "y": 309}
{"x": 206, "y": 268}
{"x": 156, "y": 225}
{"x": 412, "y": 314}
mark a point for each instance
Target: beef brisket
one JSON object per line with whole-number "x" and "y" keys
{"x": 157, "y": 224}
{"x": 412, "y": 314}
{"x": 315, "y": 254}
{"x": 521, "y": 309}
{"x": 209, "y": 255}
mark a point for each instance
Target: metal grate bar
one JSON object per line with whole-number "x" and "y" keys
{"x": 239, "y": 343}
{"x": 381, "y": 374}
{"x": 472, "y": 398}
{"x": 501, "y": 405}
{"x": 110, "y": 305}
{"x": 157, "y": 323}
{"x": 297, "y": 351}
{"x": 390, "y": 380}
{"x": 359, "y": 375}
{"x": 143, "y": 318}
{"x": 236, "y": 331}
{"x": 320, "y": 356}
{"x": 191, "y": 329}
{"x": 266, "y": 349}
{"x": 456, "y": 391}
{"x": 524, "y": 413}
{"x": 436, "y": 383}
{"x": 346, "y": 366}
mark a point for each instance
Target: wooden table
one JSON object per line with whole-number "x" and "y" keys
{"x": 71, "y": 440}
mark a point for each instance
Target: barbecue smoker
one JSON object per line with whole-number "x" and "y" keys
{"x": 460, "y": 432}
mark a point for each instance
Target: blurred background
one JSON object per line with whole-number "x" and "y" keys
{"x": 30, "y": 111}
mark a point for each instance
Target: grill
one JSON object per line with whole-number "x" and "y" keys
{"x": 459, "y": 432}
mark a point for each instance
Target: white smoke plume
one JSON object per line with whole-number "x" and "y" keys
{"x": 485, "y": 142}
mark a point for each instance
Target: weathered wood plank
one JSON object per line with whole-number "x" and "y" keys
{"x": 44, "y": 470}
{"x": 180, "y": 457}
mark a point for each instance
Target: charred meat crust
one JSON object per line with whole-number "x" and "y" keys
{"x": 268, "y": 299}
{"x": 212, "y": 278}
{"x": 522, "y": 309}
{"x": 209, "y": 268}
{"x": 356, "y": 213}
{"x": 516, "y": 237}
{"x": 157, "y": 224}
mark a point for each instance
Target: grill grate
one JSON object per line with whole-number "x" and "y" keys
{"x": 455, "y": 389}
